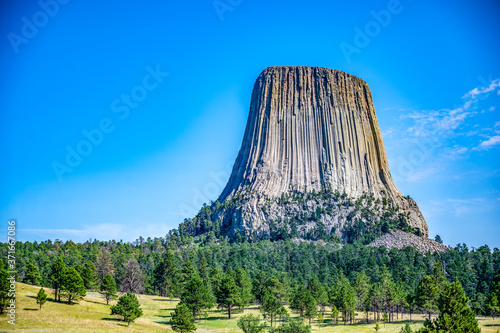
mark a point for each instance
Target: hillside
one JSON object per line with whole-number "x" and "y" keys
{"x": 92, "y": 315}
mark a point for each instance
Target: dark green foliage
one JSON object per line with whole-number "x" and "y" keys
{"x": 32, "y": 275}
{"x": 228, "y": 294}
{"x": 182, "y": 319}
{"x": 343, "y": 296}
{"x": 57, "y": 276}
{"x": 89, "y": 275}
{"x": 406, "y": 329}
{"x": 72, "y": 287}
{"x": 41, "y": 297}
{"x": 244, "y": 283}
{"x": 271, "y": 307}
{"x": 310, "y": 310}
{"x": 426, "y": 295}
{"x": 251, "y": 324}
{"x": 438, "y": 239}
{"x": 277, "y": 266}
{"x": 4, "y": 287}
{"x": 108, "y": 288}
{"x": 299, "y": 300}
{"x": 318, "y": 292}
{"x": 292, "y": 326}
{"x": 197, "y": 295}
{"x": 455, "y": 315}
{"x": 165, "y": 275}
{"x": 128, "y": 307}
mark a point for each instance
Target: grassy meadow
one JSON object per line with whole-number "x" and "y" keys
{"x": 93, "y": 315}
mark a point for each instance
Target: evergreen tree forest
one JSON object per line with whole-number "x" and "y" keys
{"x": 359, "y": 282}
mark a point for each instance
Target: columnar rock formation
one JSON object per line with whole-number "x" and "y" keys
{"x": 309, "y": 128}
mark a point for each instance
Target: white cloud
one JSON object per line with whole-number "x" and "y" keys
{"x": 433, "y": 123}
{"x": 104, "y": 231}
{"x": 455, "y": 153}
{"x": 491, "y": 142}
{"x": 483, "y": 90}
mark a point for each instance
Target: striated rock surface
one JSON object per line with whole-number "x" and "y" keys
{"x": 400, "y": 239}
{"x": 311, "y": 130}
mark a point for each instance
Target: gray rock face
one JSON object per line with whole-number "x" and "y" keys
{"x": 309, "y": 128}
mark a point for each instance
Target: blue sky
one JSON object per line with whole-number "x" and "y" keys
{"x": 155, "y": 96}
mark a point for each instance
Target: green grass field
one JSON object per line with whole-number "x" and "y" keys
{"x": 93, "y": 315}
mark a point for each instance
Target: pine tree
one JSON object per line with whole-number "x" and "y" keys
{"x": 426, "y": 295}
{"x": 251, "y": 324}
{"x": 72, "y": 286}
{"x": 197, "y": 295}
{"x": 271, "y": 307}
{"x": 299, "y": 300}
{"x": 292, "y": 326}
{"x": 204, "y": 269}
{"x": 108, "y": 288}
{"x": 334, "y": 314}
{"x": 32, "y": 275}
{"x": 41, "y": 297}
{"x": 344, "y": 298}
{"x": 493, "y": 305}
{"x": 406, "y": 329}
{"x": 455, "y": 314}
{"x": 182, "y": 319}
{"x": 318, "y": 292}
{"x": 4, "y": 287}
{"x": 362, "y": 286}
{"x": 438, "y": 239}
{"x": 321, "y": 319}
{"x": 128, "y": 307}
{"x": 310, "y": 310}
{"x": 89, "y": 275}
{"x": 187, "y": 271}
{"x": 57, "y": 276}
{"x": 165, "y": 275}
{"x": 228, "y": 295}
{"x": 244, "y": 284}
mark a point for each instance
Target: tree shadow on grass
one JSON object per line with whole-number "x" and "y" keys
{"x": 30, "y": 309}
{"x": 49, "y": 299}
{"x": 118, "y": 321}
{"x": 491, "y": 325}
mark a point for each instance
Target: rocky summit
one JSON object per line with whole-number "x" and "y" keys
{"x": 312, "y": 163}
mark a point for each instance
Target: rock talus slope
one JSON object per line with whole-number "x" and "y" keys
{"x": 308, "y": 128}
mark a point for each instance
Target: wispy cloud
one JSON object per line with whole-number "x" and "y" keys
{"x": 433, "y": 123}
{"x": 103, "y": 231}
{"x": 490, "y": 143}
{"x": 464, "y": 206}
{"x": 455, "y": 152}
{"x": 474, "y": 93}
